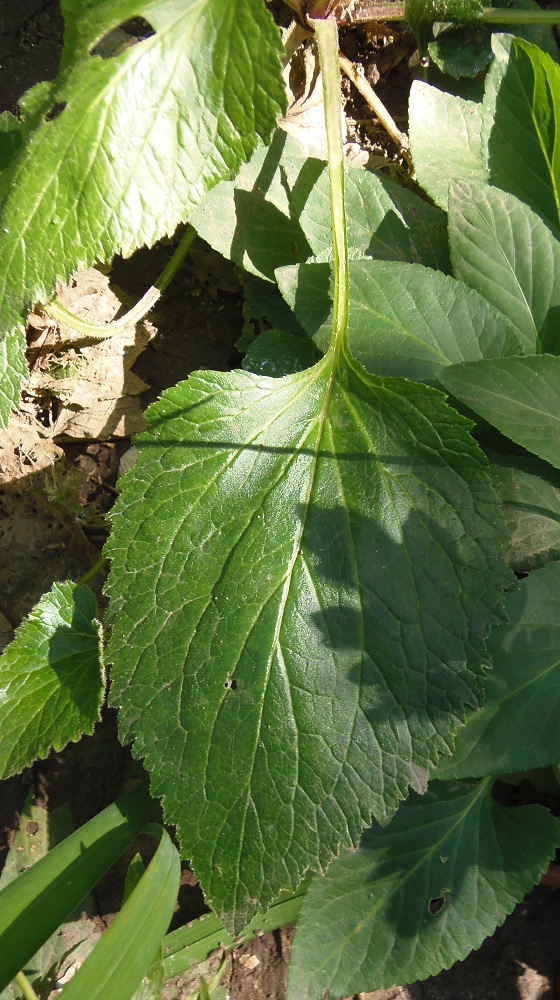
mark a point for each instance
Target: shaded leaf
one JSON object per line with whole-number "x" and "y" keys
{"x": 280, "y": 683}
{"x": 277, "y": 212}
{"x": 519, "y": 396}
{"x": 521, "y": 123}
{"x": 517, "y": 727}
{"x": 157, "y": 127}
{"x": 51, "y": 678}
{"x": 462, "y": 51}
{"x": 421, "y": 893}
{"x": 503, "y": 249}
{"x": 403, "y": 319}
{"x": 457, "y": 155}
{"x": 277, "y": 353}
{"x": 530, "y": 494}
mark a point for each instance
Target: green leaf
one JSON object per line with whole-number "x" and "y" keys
{"x": 34, "y": 905}
{"x": 530, "y": 494}
{"x": 457, "y": 155}
{"x": 520, "y": 125}
{"x": 280, "y": 683}
{"x": 503, "y": 249}
{"x": 51, "y": 678}
{"x": 517, "y": 727}
{"x": 519, "y": 396}
{"x": 421, "y": 893}
{"x": 123, "y": 956}
{"x": 404, "y": 319}
{"x": 124, "y": 145}
{"x": 277, "y": 212}
{"x": 277, "y": 353}
{"x": 421, "y": 15}
{"x": 462, "y": 51}
{"x": 38, "y": 832}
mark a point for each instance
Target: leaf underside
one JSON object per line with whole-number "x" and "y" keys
{"x": 304, "y": 570}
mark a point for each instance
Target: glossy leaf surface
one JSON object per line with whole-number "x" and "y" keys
{"x": 421, "y": 893}
{"x": 521, "y": 116}
{"x": 304, "y": 570}
{"x": 51, "y": 678}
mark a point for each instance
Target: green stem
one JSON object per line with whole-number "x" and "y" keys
{"x": 368, "y": 10}
{"x": 25, "y": 986}
{"x": 98, "y": 331}
{"x": 92, "y": 573}
{"x": 326, "y": 33}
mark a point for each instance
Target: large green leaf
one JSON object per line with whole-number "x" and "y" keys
{"x": 124, "y": 145}
{"x": 277, "y": 212}
{"x": 304, "y": 570}
{"x": 421, "y": 893}
{"x": 503, "y": 249}
{"x": 51, "y": 678}
{"x": 519, "y": 396}
{"x": 403, "y": 319}
{"x": 530, "y": 493}
{"x": 517, "y": 727}
{"x": 457, "y": 154}
{"x": 520, "y": 125}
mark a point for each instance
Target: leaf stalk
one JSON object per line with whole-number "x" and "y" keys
{"x": 326, "y": 33}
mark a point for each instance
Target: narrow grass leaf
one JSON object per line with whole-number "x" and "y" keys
{"x": 419, "y": 894}
{"x": 503, "y": 249}
{"x": 517, "y": 727}
{"x": 52, "y": 679}
{"x": 519, "y": 396}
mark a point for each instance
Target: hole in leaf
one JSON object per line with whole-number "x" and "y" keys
{"x": 231, "y": 685}
{"x": 435, "y": 905}
{"x": 123, "y": 37}
{"x": 55, "y": 111}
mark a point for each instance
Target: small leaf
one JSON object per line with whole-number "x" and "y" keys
{"x": 51, "y": 678}
{"x": 462, "y": 52}
{"x": 519, "y": 396}
{"x": 521, "y": 116}
{"x": 503, "y": 249}
{"x": 403, "y": 319}
{"x": 279, "y": 681}
{"x": 517, "y": 727}
{"x": 419, "y": 894}
{"x": 457, "y": 155}
{"x": 122, "y": 147}
{"x": 530, "y": 494}
{"x": 277, "y": 212}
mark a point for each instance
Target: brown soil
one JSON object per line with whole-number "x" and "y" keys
{"x": 197, "y": 321}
